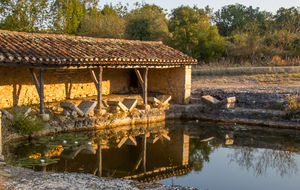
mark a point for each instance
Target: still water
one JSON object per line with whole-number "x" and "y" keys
{"x": 189, "y": 153}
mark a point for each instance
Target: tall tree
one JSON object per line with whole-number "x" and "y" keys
{"x": 234, "y": 18}
{"x": 67, "y": 14}
{"x": 193, "y": 33}
{"x": 106, "y": 23}
{"x": 20, "y": 15}
{"x": 288, "y": 19}
{"x": 146, "y": 22}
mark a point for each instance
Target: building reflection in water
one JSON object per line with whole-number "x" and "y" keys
{"x": 141, "y": 154}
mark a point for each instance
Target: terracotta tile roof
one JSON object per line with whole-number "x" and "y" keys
{"x": 50, "y": 50}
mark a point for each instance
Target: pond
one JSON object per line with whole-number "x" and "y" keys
{"x": 190, "y": 153}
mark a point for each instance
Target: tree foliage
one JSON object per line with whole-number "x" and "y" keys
{"x": 104, "y": 23}
{"x": 67, "y": 15}
{"x": 19, "y": 15}
{"x": 193, "y": 33}
{"x": 146, "y": 22}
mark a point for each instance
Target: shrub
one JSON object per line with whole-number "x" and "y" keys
{"x": 293, "y": 105}
{"x": 26, "y": 124}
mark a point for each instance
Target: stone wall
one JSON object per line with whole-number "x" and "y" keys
{"x": 17, "y": 87}
{"x": 174, "y": 81}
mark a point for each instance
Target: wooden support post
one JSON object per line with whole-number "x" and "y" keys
{"x": 138, "y": 74}
{"x": 35, "y": 80}
{"x": 42, "y": 104}
{"x": 39, "y": 87}
{"x": 98, "y": 83}
{"x": 145, "y": 86}
{"x": 94, "y": 78}
{"x": 99, "y": 160}
{"x": 99, "y": 97}
{"x": 144, "y": 152}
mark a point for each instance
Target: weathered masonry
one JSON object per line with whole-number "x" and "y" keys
{"x": 38, "y": 68}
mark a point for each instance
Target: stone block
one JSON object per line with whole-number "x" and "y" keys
{"x": 130, "y": 103}
{"x": 45, "y": 117}
{"x": 229, "y": 103}
{"x": 6, "y": 114}
{"x": 164, "y": 99}
{"x": 231, "y": 99}
{"x": 153, "y": 100}
{"x": 86, "y": 107}
{"x": 21, "y": 109}
{"x": 71, "y": 106}
{"x": 67, "y": 105}
{"x": 211, "y": 102}
{"x": 119, "y": 104}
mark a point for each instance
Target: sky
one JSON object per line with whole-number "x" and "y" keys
{"x": 268, "y": 5}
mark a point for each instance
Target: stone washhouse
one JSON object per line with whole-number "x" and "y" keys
{"x": 38, "y": 68}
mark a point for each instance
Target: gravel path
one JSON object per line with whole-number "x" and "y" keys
{"x": 25, "y": 179}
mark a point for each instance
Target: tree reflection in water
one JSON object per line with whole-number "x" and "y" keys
{"x": 259, "y": 160}
{"x": 199, "y": 153}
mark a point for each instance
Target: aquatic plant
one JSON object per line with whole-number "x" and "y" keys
{"x": 30, "y": 162}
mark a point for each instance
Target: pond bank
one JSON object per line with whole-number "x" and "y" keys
{"x": 262, "y": 117}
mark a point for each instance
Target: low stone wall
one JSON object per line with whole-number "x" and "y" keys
{"x": 198, "y": 71}
{"x": 270, "y": 118}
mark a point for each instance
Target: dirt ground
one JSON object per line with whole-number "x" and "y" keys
{"x": 292, "y": 80}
